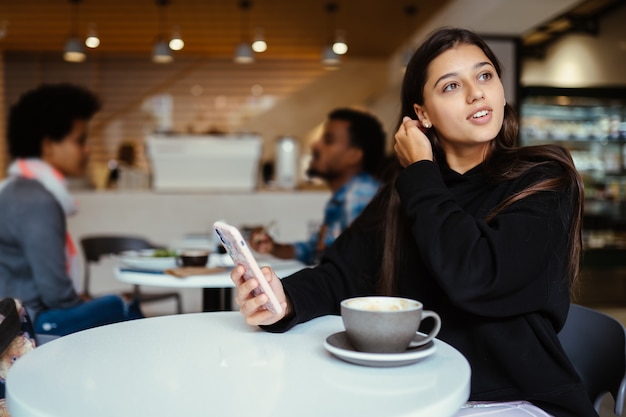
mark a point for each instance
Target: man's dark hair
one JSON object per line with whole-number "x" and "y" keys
{"x": 366, "y": 133}
{"x": 49, "y": 111}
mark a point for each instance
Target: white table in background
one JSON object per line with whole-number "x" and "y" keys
{"x": 217, "y": 280}
{"x": 214, "y": 364}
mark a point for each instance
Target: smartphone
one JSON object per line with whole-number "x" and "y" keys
{"x": 237, "y": 248}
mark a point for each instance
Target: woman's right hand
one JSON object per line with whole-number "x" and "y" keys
{"x": 411, "y": 143}
{"x": 251, "y": 306}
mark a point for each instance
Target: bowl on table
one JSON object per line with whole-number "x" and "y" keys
{"x": 193, "y": 257}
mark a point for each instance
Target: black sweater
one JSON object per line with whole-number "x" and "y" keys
{"x": 501, "y": 288}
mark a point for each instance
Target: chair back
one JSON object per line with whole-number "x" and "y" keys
{"x": 96, "y": 246}
{"x": 596, "y": 345}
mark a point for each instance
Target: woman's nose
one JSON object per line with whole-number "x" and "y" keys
{"x": 475, "y": 93}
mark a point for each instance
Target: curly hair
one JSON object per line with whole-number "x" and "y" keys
{"x": 47, "y": 111}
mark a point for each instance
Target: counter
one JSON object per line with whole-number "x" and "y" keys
{"x": 204, "y": 162}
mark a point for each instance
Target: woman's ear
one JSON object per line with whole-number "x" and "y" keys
{"x": 422, "y": 116}
{"x": 46, "y": 147}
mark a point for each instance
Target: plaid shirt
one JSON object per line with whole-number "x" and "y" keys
{"x": 344, "y": 206}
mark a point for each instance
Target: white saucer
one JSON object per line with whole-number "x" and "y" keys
{"x": 339, "y": 345}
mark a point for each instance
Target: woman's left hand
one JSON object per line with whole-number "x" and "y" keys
{"x": 251, "y": 305}
{"x": 412, "y": 145}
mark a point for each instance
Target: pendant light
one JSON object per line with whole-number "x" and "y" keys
{"x": 410, "y": 11}
{"x": 176, "y": 42}
{"x": 243, "y": 52}
{"x": 330, "y": 58}
{"x": 161, "y": 52}
{"x": 4, "y": 28}
{"x": 92, "y": 41}
{"x": 259, "y": 44}
{"x": 340, "y": 47}
{"x": 74, "y": 51}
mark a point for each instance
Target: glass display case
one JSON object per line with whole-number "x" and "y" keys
{"x": 591, "y": 123}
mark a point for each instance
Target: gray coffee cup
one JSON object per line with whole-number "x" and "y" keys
{"x": 383, "y": 324}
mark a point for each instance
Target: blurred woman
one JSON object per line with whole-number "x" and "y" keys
{"x": 47, "y": 135}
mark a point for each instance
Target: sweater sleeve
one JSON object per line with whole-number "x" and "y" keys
{"x": 347, "y": 269}
{"x": 41, "y": 230}
{"x": 514, "y": 264}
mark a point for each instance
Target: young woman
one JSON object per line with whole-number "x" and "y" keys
{"x": 47, "y": 134}
{"x": 485, "y": 233}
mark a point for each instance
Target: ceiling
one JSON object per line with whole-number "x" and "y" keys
{"x": 583, "y": 18}
{"x": 292, "y": 28}
{"x": 213, "y": 28}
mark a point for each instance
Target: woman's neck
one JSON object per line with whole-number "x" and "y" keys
{"x": 462, "y": 159}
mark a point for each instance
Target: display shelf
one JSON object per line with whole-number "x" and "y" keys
{"x": 591, "y": 123}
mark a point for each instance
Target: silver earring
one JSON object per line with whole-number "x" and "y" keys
{"x": 426, "y": 125}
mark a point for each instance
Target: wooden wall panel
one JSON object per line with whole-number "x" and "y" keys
{"x": 271, "y": 98}
{"x": 206, "y": 95}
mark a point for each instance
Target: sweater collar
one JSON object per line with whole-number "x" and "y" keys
{"x": 449, "y": 174}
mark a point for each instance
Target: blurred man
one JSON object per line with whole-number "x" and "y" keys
{"x": 348, "y": 158}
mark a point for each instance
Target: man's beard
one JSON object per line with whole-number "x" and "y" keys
{"x": 326, "y": 176}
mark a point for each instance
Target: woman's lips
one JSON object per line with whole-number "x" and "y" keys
{"x": 480, "y": 116}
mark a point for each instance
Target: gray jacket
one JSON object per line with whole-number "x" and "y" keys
{"x": 32, "y": 248}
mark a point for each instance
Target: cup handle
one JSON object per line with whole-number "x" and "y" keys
{"x": 434, "y": 332}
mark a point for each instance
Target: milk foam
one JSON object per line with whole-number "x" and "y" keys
{"x": 381, "y": 304}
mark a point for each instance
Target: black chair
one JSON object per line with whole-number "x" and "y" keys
{"x": 94, "y": 247}
{"x": 596, "y": 345}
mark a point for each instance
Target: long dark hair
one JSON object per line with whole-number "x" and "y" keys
{"x": 504, "y": 161}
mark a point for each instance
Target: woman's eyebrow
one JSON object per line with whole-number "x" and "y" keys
{"x": 452, "y": 74}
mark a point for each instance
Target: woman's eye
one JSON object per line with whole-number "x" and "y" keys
{"x": 485, "y": 76}
{"x": 450, "y": 87}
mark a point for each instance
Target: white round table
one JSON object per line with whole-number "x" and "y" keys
{"x": 214, "y": 364}
{"x": 216, "y": 280}
{"x": 159, "y": 279}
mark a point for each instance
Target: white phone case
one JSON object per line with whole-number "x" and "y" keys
{"x": 240, "y": 253}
